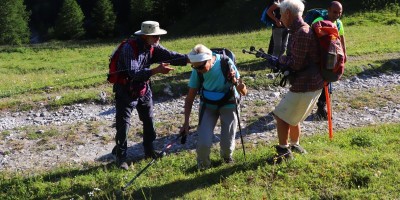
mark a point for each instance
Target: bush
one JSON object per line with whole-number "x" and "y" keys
{"x": 361, "y": 141}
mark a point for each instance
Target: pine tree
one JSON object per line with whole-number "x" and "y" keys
{"x": 14, "y": 20}
{"x": 103, "y": 19}
{"x": 69, "y": 23}
{"x": 141, "y": 10}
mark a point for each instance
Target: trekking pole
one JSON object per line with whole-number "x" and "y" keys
{"x": 240, "y": 129}
{"x": 237, "y": 104}
{"x": 166, "y": 147}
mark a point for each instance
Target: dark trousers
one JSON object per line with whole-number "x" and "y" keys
{"x": 322, "y": 100}
{"x": 271, "y": 43}
{"x": 124, "y": 106}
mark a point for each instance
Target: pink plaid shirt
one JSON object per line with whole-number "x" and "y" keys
{"x": 303, "y": 58}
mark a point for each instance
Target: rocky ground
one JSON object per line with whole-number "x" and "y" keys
{"x": 78, "y": 134}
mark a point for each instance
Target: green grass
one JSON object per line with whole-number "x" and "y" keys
{"x": 62, "y": 73}
{"x": 359, "y": 163}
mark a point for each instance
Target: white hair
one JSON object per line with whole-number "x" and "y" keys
{"x": 200, "y": 53}
{"x": 296, "y": 7}
{"x": 199, "y": 48}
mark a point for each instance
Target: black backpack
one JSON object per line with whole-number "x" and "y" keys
{"x": 225, "y": 55}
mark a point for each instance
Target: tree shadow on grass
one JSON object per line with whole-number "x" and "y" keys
{"x": 262, "y": 124}
{"x": 206, "y": 179}
{"x": 391, "y": 66}
{"x": 54, "y": 177}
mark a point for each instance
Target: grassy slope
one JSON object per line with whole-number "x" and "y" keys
{"x": 77, "y": 71}
{"x": 38, "y": 74}
{"x": 359, "y": 163}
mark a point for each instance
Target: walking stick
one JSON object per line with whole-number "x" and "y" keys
{"x": 166, "y": 147}
{"x": 240, "y": 129}
{"x": 329, "y": 108}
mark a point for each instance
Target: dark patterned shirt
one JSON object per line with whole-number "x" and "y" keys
{"x": 138, "y": 68}
{"x": 303, "y": 58}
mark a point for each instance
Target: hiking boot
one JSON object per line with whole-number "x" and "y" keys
{"x": 321, "y": 114}
{"x": 229, "y": 160}
{"x": 298, "y": 149}
{"x": 203, "y": 165}
{"x": 154, "y": 154}
{"x": 282, "y": 154}
{"x": 122, "y": 164}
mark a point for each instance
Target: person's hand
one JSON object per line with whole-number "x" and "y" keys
{"x": 241, "y": 87}
{"x": 273, "y": 61}
{"x": 279, "y": 23}
{"x": 184, "y": 130}
{"x": 232, "y": 76}
{"x": 163, "y": 68}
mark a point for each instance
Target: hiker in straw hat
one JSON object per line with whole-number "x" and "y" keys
{"x": 133, "y": 65}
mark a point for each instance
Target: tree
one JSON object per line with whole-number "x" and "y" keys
{"x": 14, "y": 20}
{"x": 69, "y": 23}
{"x": 141, "y": 10}
{"x": 103, "y": 19}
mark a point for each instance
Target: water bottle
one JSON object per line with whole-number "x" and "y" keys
{"x": 331, "y": 56}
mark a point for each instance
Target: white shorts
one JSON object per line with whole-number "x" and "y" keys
{"x": 296, "y": 106}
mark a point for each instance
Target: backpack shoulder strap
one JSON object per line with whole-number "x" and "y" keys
{"x": 201, "y": 79}
{"x": 225, "y": 68}
{"x": 225, "y": 65}
{"x": 151, "y": 51}
{"x": 134, "y": 46}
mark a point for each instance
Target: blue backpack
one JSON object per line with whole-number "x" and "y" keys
{"x": 313, "y": 14}
{"x": 264, "y": 16}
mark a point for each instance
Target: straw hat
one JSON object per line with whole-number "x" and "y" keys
{"x": 150, "y": 28}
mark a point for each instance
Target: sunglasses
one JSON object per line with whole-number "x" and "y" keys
{"x": 155, "y": 36}
{"x": 200, "y": 67}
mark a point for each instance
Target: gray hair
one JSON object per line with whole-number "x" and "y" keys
{"x": 199, "y": 48}
{"x": 296, "y": 7}
{"x": 199, "y": 53}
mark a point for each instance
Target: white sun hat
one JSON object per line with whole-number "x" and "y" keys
{"x": 151, "y": 28}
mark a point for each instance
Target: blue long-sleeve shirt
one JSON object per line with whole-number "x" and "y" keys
{"x": 138, "y": 68}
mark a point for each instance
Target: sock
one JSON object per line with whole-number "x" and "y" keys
{"x": 292, "y": 143}
{"x": 284, "y": 146}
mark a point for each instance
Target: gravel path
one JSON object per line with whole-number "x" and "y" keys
{"x": 83, "y": 133}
